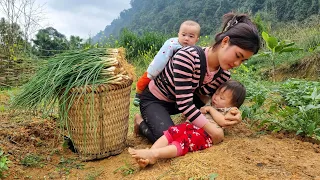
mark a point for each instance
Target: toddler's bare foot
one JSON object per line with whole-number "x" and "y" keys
{"x": 142, "y": 162}
{"x": 143, "y": 157}
{"x": 137, "y": 120}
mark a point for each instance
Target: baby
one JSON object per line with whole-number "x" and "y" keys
{"x": 188, "y": 35}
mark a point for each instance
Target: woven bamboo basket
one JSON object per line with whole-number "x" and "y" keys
{"x": 99, "y": 129}
{"x": 97, "y": 121}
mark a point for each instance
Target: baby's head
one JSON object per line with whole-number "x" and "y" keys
{"x": 189, "y": 33}
{"x": 229, "y": 94}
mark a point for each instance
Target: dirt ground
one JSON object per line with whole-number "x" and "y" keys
{"x": 36, "y": 151}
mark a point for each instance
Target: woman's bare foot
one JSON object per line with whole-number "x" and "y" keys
{"x": 143, "y": 157}
{"x": 137, "y": 120}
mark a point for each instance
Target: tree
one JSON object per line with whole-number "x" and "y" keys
{"x": 30, "y": 19}
{"x": 75, "y": 42}
{"x": 11, "y": 40}
{"x": 26, "y": 15}
{"x": 49, "y": 42}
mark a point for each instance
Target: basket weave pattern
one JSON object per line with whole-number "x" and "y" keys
{"x": 98, "y": 126}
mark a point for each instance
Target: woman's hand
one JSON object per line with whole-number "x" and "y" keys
{"x": 233, "y": 117}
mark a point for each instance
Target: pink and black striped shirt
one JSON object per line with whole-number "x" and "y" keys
{"x": 179, "y": 80}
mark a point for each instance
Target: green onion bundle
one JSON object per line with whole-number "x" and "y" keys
{"x": 72, "y": 69}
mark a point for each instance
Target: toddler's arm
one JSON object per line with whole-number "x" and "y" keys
{"x": 217, "y": 116}
{"x": 216, "y": 133}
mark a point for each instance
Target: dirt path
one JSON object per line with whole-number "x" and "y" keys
{"x": 243, "y": 155}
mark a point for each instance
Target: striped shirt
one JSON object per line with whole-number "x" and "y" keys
{"x": 179, "y": 80}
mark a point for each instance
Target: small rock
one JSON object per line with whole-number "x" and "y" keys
{"x": 260, "y": 164}
{"x": 49, "y": 158}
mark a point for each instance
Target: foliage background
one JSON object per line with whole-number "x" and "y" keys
{"x": 165, "y": 16}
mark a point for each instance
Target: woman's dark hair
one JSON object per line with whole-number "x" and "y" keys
{"x": 242, "y": 32}
{"x": 238, "y": 92}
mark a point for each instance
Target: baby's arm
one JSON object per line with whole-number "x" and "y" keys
{"x": 217, "y": 116}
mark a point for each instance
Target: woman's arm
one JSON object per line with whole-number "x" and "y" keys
{"x": 185, "y": 68}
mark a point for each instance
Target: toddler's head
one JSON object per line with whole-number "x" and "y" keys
{"x": 189, "y": 33}
{"x": 230, "y": 94}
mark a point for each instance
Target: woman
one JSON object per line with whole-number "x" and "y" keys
{"x": 176, "y": 89}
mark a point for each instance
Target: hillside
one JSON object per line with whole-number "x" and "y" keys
{"x": 166, "y": 15}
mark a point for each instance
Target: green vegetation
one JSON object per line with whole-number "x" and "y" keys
{"x": 94, "y": 175}
{"x": 32, "y": 160}
{"x": 78, "y": 68}
{"x": 140, "y": 45}
{"x": 271, "y": 106}
{"x": 11, "y": 37}
{"x": 299, "y": 114}
{"x": 165, "y": 16}
{"x": 276, "y": 48}
{"x": 291, "y": 106}
{"x": 125, "y": 170}
{"x": 212, "y": 176}
{"x": 4, "y": 161}
{"x": 66, "y": 164}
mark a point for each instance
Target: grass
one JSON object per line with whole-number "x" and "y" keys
{"x": 32, "y": 160}
{"x": 305, "y": 34}
{"x": 3, "y": 108}
{"x": 125, "y": 170}
{"x": 4, "y": 161}
{"x": 66, "y": 164}
{"x": 133, "y": 110}
{"x": 94, "y": 175}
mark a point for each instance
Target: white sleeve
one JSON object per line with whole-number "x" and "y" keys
{"x": 162, "y": 57}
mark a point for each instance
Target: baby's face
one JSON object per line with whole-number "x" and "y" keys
{"x": 188, "y": 35}
{"x": 222, "y": 98}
